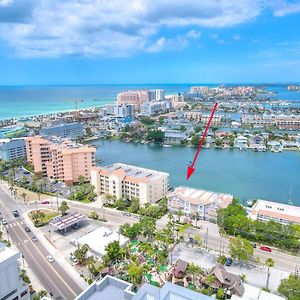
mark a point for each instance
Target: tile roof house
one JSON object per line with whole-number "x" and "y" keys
{"x": 227, "y": 280}
{"x": 180, "y": 268}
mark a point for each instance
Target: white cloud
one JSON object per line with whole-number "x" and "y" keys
{"x": 194, "y": 34}
{"x": 282, "y": 8}
{"x": 236, "y": 37}
{"x": 6, "y": 2}
{"x": 113, "y": 28}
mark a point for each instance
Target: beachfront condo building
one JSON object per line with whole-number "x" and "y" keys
{"x": 133, "y": 97}
{"x": 192, "y": 201}
{"x": 60, "y": 159}
{"x": 38, "y": 153}
{"x": 266, "y": 211}
{"x": 11, "y": 149}
{"x": 122, "y": 180}
{"x": 138, "y": 97}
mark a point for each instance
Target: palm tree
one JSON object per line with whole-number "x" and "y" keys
{"x": 179, "y": 214}
{"x": 269, "y": 263}
{"x": 194, "y": 270}
{"x": 24, "y": 195}
{"x": 244, "y": 277}
{"x": 196, "y": 216}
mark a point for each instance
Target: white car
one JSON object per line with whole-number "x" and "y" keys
{"x": 50, "y": 258}
{"x": 4, "y": 222}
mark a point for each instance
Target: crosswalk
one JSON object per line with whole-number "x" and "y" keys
{"x": 14, "y": 224}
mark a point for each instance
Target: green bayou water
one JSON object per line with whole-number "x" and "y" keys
{"x": 246, "y": 174}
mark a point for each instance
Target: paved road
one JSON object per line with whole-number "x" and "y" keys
{"x": 53, "y": 277}
{"x": 283, "y": 261}
{"x": 116, "y": 218}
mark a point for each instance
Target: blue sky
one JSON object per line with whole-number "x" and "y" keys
{"x": 147, "y": 41}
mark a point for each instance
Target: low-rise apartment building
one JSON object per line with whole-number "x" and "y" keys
{"x": 195, "y": 201}
{"x": 62, "y": 160}
{"x": 265, "y": 211}
{"x": 281, "y": 121}
{"x": 12, "y": 285}
{"x": 199, "y": 117}
{"x": 121, "y": 180}
{"x": 11, "y": 149}
{"x": 71, "y": 130}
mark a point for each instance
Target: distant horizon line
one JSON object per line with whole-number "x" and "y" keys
{"x": 166, "y": 83}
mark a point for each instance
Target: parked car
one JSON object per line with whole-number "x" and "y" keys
{"x": 73, "y": 258}
{"x": 253, "y": 245}
{"x": 50, "y": 258}
{"x": 34, "y": 239}
{"x": 45, "y": 202}
{"x": 27, "y": 229}
{"x": 265, "y": 248}
{"x": 4, "y": 222}
{"x": 228, "y": 261}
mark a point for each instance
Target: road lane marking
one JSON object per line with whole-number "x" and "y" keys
{"x": 50, "y": 265}
{"x": 39, "y": 266}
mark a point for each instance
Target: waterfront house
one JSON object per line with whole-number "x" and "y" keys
{"x": 275, "y": 146}
{"x": 195, "y": 201}
{"x": 241, "y": 142}
{"x": 173, "y": 136}
{"x": 257, "y": 143}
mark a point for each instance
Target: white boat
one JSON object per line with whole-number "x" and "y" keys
{"x": 166, "y": 145}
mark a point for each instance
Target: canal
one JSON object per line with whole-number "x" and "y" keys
{"x": 246, "y": 174}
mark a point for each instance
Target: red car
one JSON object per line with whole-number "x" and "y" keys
{"x": 265, "y": 248}
{"x": 45, "y": 202}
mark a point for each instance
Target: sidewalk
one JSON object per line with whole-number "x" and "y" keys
{"x": 35, "y": 282}
{"x": 56, "y": 253}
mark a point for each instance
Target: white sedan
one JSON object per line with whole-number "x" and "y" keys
{"x": 50, "y": 258}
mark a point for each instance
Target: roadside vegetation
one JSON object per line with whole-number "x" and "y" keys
{"x": 234, "y": 221}
{"x": 84, "y": 192}
{"x": 42, "y": 217}
{"x": 133, "y": 206}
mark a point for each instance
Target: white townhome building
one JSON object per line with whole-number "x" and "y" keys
{"x": 191, "y": 201}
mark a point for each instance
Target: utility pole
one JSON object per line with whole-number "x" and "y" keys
{"x": 206, "y": 238}
{"x": 23, "y": 261}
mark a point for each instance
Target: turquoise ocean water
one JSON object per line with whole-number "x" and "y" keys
{"x": 20, "y": 101}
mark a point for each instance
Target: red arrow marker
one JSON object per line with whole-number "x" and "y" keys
{"x": 191, "y": 169}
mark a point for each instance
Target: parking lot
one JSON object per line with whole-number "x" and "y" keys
{"x": 256, "y": 276}
{"x": 63, "y": 241}
{"x": 51, "y": 186}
